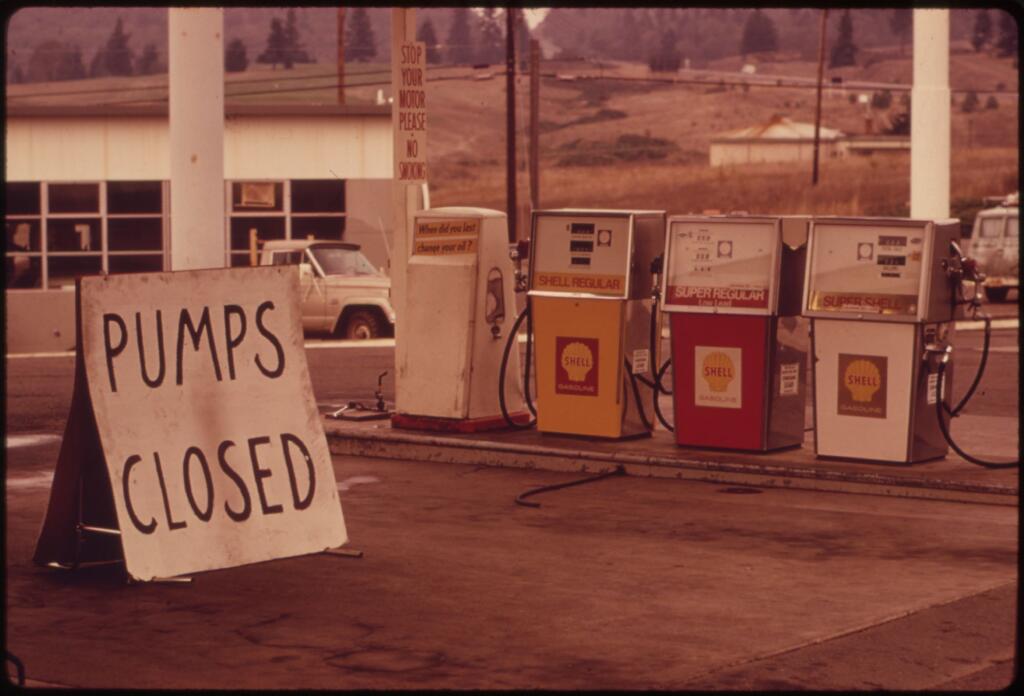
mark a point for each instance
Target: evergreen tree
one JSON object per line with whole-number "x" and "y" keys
{"x": 901, "y": 22}
{"x": 293, "y": 51}
{"x": 628, "y": 45}
{"x": 360, "y": 44}
{"x": 970, "y": 102}
{"x": 667, "y": 58}
{"x": 460, "y": 43}
{"x": 845, "y": 51}
{"x": 235, "y": 59}
{"x": 758, "y": 34}
{"x": 53, "y": 60}
{"x": 277, "y": 44}
{"x": 149, "y": 61}
{"x": 982, "y": 30}
{"x": 1006, "y": 44}
{"x": 429, "y": 38}
{"x": 117, "y": 56}
{"x": 491, "y": 48}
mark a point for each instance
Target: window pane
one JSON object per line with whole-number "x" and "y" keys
{"x": 991, "y": 227}
{"x": 73, "y": 235}
{"x": 286, "y": 258}
{"x": 23, "y": 235}
{"x": 133, "y": 197}
{"x": 318, "y": 196}
{"x": 22, "y": 198}
{"x": 134, "y": 234}
{"x": 263, "y": 196}
{"x": 1013, "y": 227}
{"x": 64, "y": 269}
{"x": 74, "y": 198}
{"x": 24, "y": 271}
{"x": 240, "y": 260}
{"x": 266, "y": 228}
{"x": 328, "y": 228}
{"x": 150, "y": 263}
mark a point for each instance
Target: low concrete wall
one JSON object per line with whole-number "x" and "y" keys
{"x": 40, "y": 321}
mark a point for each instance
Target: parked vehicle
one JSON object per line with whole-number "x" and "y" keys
{"x": 342, "y": 293}
{"x": 995, "y": 245}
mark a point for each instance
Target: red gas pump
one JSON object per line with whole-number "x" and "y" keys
{"x": 732, "y": 286}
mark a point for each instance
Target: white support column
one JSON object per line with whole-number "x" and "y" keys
{"x": 196, "y": 113}
{"x": 404, "y": 195}
{"x": 930, "y": 116}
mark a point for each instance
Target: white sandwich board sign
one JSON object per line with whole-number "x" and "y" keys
{"x": 193, "y": 428}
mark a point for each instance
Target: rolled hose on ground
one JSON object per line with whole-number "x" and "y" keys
{"x": 513, "y": 333}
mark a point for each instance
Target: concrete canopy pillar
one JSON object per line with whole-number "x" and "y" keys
{"x": 195, "y": 69}
{"x": 930, "y": 116}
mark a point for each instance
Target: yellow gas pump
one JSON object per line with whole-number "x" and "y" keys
{"x": 590, "y": 290}
{"x": 460, "y": 307}
{"x": 878, "y": 293}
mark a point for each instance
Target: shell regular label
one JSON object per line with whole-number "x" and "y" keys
{"x": 576, "y": 361}
{"x": 862, "y": 385}
{"x": 718, "y": 377}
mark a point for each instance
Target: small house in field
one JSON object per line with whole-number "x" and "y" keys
{"x": 778, "y": 140}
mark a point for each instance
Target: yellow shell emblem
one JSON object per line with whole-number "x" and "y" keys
{"x": 862, "y": 379}
{"x": 718, "y": 371}
{"x": 577, "y": 360}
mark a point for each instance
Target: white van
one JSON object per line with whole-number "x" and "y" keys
{"x": 995, "y": 245}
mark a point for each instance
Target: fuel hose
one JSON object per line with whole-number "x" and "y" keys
{"x": 944, "y": 427}
{"x": 521, "y": 498}
{"x": 512, "y": 337}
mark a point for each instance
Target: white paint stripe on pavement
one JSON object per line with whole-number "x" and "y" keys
{"x": 42, "y": 480}
{"x": 13, "y": 441}
{"x": 977, "y": 325}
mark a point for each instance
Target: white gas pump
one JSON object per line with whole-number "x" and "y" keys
{"x": 879, "y": 294}
{"x": 459, "y": 311}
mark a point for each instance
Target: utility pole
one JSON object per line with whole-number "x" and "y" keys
{"x": 817, "y": 109}
{"x": 510, "y": 121}
{"x": 534, "y": 124}
{"x": 341, "y": 55}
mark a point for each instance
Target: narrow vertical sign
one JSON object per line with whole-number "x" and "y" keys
{"x": 408, "y": 80}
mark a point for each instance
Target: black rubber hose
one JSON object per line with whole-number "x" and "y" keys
{"x": 512, "y": 337}
{"x": 19, "y": 668}
{"x": 636, "y": 395}
{"x": 945, "y": 428}
{"x": 661, "y": 377}
{"x": 981, "y": 369}
{"x": 657, "y": 405}
{"x": 521, "y": 498}
{"x": 529, "y": 354}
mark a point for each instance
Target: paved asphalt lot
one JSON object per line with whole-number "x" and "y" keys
{"x": 626, "y": 583}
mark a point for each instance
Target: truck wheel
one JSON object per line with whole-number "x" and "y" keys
{"x": 362, "y": 324}
{"x": 996, "y": 294}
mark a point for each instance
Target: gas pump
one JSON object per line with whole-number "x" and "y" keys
{"x": 879, "y": 294}
{"x": 460, "y": 307}
{"x": 590, "y": 289}
{"x": 732, "y": 287}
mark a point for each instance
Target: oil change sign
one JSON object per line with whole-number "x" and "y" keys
{"x": 445, "y": 237}
{"x": 721, "y": 264}
{"x": 581, "y": 255}
{"x": 866, "y": 269}
{"x": 215, "y": 450}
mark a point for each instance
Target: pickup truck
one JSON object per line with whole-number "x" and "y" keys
{"x": 995, "y": 245}
{"x": 342, "y": 293}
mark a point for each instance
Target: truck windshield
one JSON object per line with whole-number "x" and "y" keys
{"x": 349, "y": 262}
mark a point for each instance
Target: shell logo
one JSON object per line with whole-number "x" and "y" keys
{"x": 862, "y": 379}
{"x": 577, "y": 360}
{"x": 718, "y": 371}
